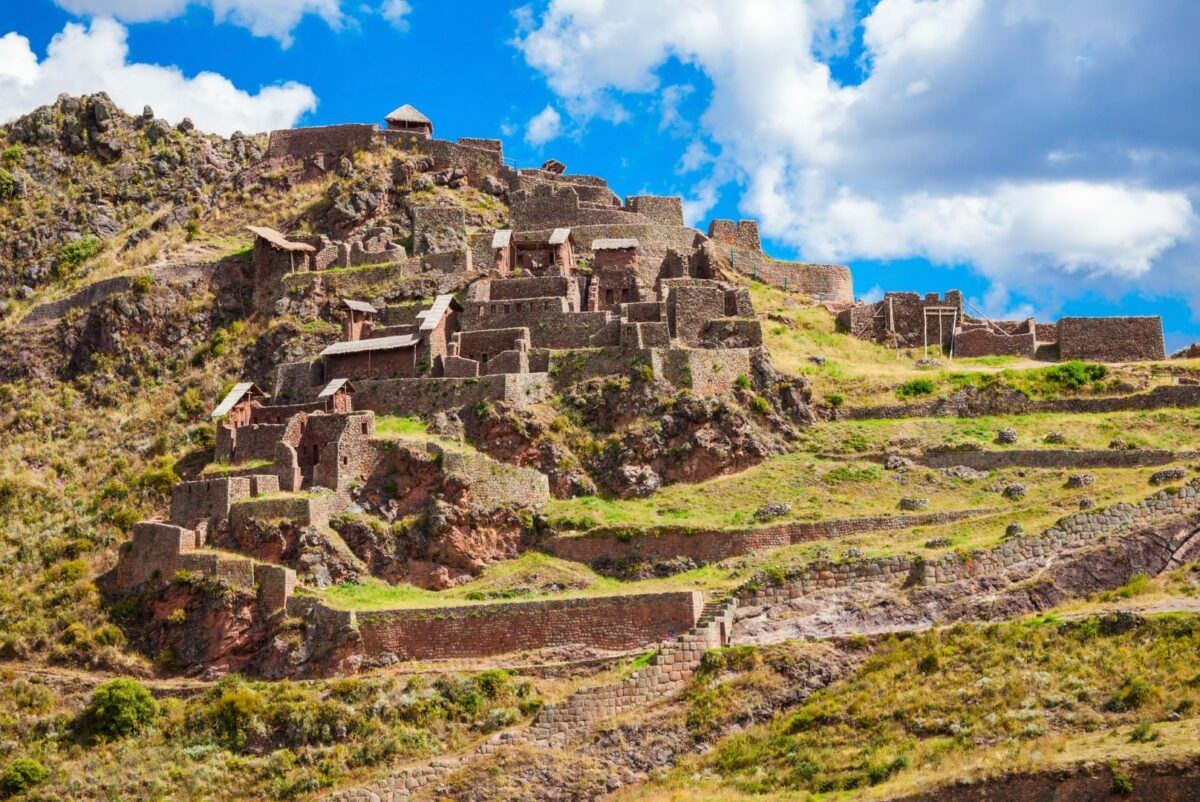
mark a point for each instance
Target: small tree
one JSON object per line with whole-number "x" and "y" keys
{"x": 21, "y": 775}
{"x": 119, "y": 708}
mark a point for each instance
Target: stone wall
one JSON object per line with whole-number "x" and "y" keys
{"x": 974, "y": 405}
{"x": 438, "y": 229}
{"x": 1076, "y": 529}
{"x": 427, "y": 396}
{"x": 493, "y": 484}
{"x": 983, "y": 341}
{"x": 158, "y": 551}
{"x": 210, "y": 499}
{"x": 707, "y": 372}
{"x": 1051, "y": 458}
{"x": 550, "y": 322}
{"x": 900, "y": 318}
{"x": 612, "y": 622}
{"x": 300, "y": 143}
{"x": 827, "y": 282}
{"x": 744, "y": 234}
{"x": 1111, "y": 339}
{"x": 303, "y": 509}
{"x": 713, "y": 545}
{"x": 663, "y": 210}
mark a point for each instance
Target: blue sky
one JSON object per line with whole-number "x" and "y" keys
{"x": 1042, "y": 157}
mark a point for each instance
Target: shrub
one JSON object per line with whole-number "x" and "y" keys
{"x": 8, "y": 185}
{"x": 1075, "y": 374}
{"x": 1122, "y": 785}
{"x": 915, "y": 387}
{"x": 143, "y": 284}
{"x": 73, "y": 254}
{"x": 759, "y": 405}
{"x": 21, "y": 775}
{"x": 929, "y": 664}
{"x": 835, "y": 400}
{"x": 119, "y": 707}
{"x": 1143, "y": 733}
{"x": 12, "y": 155}
{"x": 742, "y": 382}
{"x": 1132, "y": 694}
{"x": 235, "y": 713}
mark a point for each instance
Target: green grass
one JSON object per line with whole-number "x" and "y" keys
{"x": 1168, "y": 429}
{"x": 397, "y": 426}
{"x": 225, "y": 468}
{"x": 868, "y": 374}
{"x": 927, "y": 704}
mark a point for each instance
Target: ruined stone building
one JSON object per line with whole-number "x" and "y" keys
{"x": 941, "y": 324}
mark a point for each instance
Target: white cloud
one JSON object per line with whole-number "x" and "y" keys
{"x": 995, "y": 133}
{"x": 274, "y": 18}
{"x": 396, "y": 12}
{"x": 545, "y": 125}
{"x": 83, "y": 60}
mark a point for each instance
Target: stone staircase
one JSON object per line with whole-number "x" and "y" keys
{"x": 668, "y": 672}
{"x": 1047, "y": 352}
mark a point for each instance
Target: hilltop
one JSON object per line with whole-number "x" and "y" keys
{"x": 385, "y": 466}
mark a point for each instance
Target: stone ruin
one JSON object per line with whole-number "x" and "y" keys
{"x": 909, "y": 321}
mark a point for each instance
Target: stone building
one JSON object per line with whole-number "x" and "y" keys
{"x": 614, "y": 274}
{"x": 907, "y": 320}
{"x": 239, "y": 405}
{"x": 357, "y": 323}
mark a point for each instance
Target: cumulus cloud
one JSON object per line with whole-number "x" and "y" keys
{"x": 1045, "y": 144}
{"x": 396, "y": 12}
{"x": 545, "y": 125}
{"x": 274, "y": 18}
{"x": 83, "y": 60}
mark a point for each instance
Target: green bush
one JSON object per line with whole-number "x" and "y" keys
{"x": 12, "y": 155}
{"x": 915, "y": 387}
{"x": 835, "y": 400}
{"x": 119, "y": 707}
{"x": 1122, "y": 785}
{"x": 143, "y": 284}
{"x": 742, "y": 382}
{"x": 8, "y": 185}
{"x": 1075, "y": 374}
{"x": 1133, "y": 693}
{"x": 73, "y": 254}
{"x": 759, "y": 405}
{"x": 21, "y": 775}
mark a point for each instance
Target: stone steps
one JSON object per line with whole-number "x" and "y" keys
{"x": 667, "y": 673}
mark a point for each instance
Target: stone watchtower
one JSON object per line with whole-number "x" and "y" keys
{"x": 407, "y": 118}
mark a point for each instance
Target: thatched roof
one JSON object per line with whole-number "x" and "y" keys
{"x": 277, "y": 240}
{"x": 408, "y": 114}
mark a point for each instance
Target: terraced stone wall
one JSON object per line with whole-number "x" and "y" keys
{"x": 967, "y": 404}
{"x": 712, "y": 545}
{"x": 1051, "y": 458}
{"x": 1084, "y": 526}
{"x": 612, "y": 622}
{"x": 426, "y": 396}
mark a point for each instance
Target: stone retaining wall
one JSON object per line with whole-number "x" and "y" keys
{"x": 614, "y": 623}
{"x": 978, "y": 404}
{"x": 712, "y": 545}
{"x": 1052, "y": 458}
{"x": 1084, "y": 526}
{"x": 426, "y": 396}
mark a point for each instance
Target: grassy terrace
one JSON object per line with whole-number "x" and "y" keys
{"x": 535, "y": 576}
{"x": 1169, "y": 429}
{"x": 969, "y": 701}
{"x": 867, "y": 374}
{"x": 821, "y": 489}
